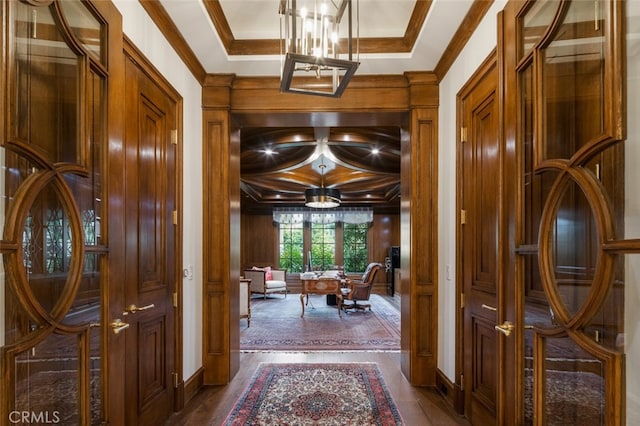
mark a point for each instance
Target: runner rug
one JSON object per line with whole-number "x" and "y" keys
{"x": 276, "y": 325}
{"x": 315, "y": 394}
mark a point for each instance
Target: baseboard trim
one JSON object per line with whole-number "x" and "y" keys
{"x": 193, "y": 385}
{"x": 450, "y": 391}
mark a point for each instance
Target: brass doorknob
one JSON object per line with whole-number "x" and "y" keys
{"x": 506, "y": 328}
{"x": 133, "y": 308}
{"x": 118, "y": 325}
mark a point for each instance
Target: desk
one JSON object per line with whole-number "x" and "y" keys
{"x": 322, "y": 286}
{"x": 245, "y": 300}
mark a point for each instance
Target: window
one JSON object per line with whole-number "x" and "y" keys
{"x": 322, "y": 239}
{"x": 355, "y": 247}
{"x": 291, "y": 247}
{"x": 323, "y": 246}
{"x": 327, "y": 244}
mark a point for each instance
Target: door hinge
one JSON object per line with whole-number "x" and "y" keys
{"x": 175, "y": 299}
{"x": 463, "y": 134}
{"x": 462, "y": 382}
{"x": 463, "y": 217}
{"x": 174, "y": 137}
{"x": 175, "y": 380}
{"x": 463, "y": 302}
{"x": 174, "y": 217}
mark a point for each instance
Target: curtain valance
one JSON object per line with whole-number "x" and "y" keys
{"x": 354, "y": 215}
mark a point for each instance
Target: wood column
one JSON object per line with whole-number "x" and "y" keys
{"x": 418, "y": 217}
{"x": 221, "y": 245}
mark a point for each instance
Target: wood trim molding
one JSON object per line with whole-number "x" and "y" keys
{"x": 272, "y": 47}
{"x": 192, "y": 386}
{"x": 451, "y": 392}
{"x": 476, "y": 13}
{"x": 168, "y": 28}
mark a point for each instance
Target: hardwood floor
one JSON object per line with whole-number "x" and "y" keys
{"x": 418, "y": 406}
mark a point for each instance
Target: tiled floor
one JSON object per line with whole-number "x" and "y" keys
{"x": 418, "y": 406}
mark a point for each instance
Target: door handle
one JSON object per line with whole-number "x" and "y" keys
{"x": 132, "y": 309}
{"x": 117, "y": 325}
{"x": 505, "y": 328}
{"x": 491, "y": 308}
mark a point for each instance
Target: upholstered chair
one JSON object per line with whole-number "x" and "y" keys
{"x": 360, "y": 290}
{"x": 266, "y": 280}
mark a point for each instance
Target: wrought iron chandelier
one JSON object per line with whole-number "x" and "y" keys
{"x": 311, "y": 48}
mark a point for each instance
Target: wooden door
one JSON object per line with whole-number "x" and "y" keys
{"x": 55, "y": 339}
{"x": 478, "y": 165}
{"x": 150, "y": 270}
{"x": 563, "y": 73}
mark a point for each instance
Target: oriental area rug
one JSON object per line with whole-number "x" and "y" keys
{"x": 315, "y": 394}
{"x": 276, "y": 325}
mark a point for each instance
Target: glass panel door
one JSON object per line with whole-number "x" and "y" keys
{"x": 52, "y": 161}
{"x": 573, "y": 203}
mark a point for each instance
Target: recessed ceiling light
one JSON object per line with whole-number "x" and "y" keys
{"x": 375, "y": 151}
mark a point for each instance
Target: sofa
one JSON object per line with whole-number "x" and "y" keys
{"x": 266, "y": 280}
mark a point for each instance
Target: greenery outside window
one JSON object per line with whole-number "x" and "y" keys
{"x": 323, "y": 239}
{"x": 323, "y": 246}
{"x": 291, "y": 247}
{"x": 355, "y": 246}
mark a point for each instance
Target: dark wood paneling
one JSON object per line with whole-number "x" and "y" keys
{"x": 419, "y": 313}
{"x": 152, "y": 249}
{"x": 214, "y": 336}
{"x": 424, "y": 327}
{"x": 152, "y": 379}
{"x": 383, "y": 93}
{"x": 221, "y": 167}
{"x": 484, "y": 374}
{"x": 259, "y": 238}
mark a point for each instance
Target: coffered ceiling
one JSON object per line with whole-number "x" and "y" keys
{"x": 278, "y": 164}
{"x": 241, "y": 37}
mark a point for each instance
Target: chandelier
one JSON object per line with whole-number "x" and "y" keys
{"x": 311, "y": 49}
{"x": 322, "y": 198}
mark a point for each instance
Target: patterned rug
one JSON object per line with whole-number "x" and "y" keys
{"x": 276, "y": 325}
{"x": 315, "y": 394}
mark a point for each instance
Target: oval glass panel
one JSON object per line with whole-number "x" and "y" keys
{"x": 574, "y": 248}
{"x": 89, "y": 203}
{"x": 606, "y": 327}
{"x": 47, "y": 247}
{"x": 86, "y": 305}
{"x": 573, "y": 82}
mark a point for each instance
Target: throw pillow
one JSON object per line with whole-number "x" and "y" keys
{"x": 268, "y": 275}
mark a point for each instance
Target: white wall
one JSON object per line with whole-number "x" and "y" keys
{"x": 632, "y": 215}
{"x": 480, "y": 45}
{"x": 149, "y": 40}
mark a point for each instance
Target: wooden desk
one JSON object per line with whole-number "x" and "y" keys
{"x": 245, "y": 300}
{"x": 322, "y": 286}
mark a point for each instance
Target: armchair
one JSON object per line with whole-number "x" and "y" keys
{"x": 360, "y": 290}
{"x": 263, "y": 283}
